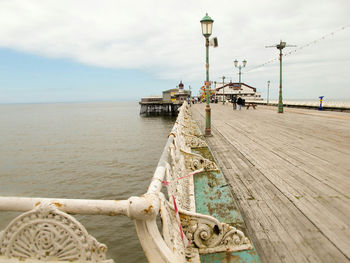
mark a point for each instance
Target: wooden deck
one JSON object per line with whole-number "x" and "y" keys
{"x": 290, "y": 174}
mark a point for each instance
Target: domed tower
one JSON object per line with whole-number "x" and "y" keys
{"x": 181, "y": 87}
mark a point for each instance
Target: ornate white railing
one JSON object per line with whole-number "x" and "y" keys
{"x": 47, "y": 231}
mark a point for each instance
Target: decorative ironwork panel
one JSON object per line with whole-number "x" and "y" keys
{"x": 48, "y": 234}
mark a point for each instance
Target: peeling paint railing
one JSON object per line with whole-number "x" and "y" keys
{"x": 47, "y": 231}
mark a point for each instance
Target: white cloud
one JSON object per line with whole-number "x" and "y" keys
{"x": 164, "y": 37}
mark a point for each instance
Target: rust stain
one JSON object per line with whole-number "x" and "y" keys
{"x": 218, "y": 193}
{"x": 148, "y": 210}
{"x": 38, "y": 203}
{"x": 252, "y": 252}
{"x": 230, "y": 258}
{"x": 59, "y": 205}
{"x": 204, "y": 151}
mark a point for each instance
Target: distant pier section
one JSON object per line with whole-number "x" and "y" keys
{"x": 168, "y": 103}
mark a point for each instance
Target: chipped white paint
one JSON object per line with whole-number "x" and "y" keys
{"x": 46, "y": 231}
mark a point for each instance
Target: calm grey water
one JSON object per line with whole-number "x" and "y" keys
{"x": 82, "y": 150}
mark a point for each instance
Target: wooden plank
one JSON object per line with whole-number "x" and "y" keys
{"x": 288, "y": 173}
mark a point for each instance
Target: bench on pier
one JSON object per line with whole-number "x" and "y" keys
{"x": 251, "y": 104}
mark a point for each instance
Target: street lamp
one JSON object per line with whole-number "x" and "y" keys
{"x": 244, "y": 62}
{"x": 207, "y": 26}
{"x": 223, "y": 90}
{"x": 268, "y": 92}
{"x": 281, "y": 46}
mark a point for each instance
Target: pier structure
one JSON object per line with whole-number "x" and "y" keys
{"x": 290, "y": 177}
{"x": 169, "y": 103}
{"x": 156, "y": 105}
{"x": 193, "y": 229}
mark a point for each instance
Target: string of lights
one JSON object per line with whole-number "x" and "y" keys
{"x": 299, "y": 48}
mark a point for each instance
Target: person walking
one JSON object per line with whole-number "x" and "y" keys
{"x": 239, "y": 102}
{"x": 234, "y": 102}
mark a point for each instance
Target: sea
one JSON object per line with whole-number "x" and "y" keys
{"x": 103, "y": 150}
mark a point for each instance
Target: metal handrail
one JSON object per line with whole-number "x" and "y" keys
{"x": 71, "y": 206}
{"x": 158, "y": 176}
{"x": 143, "y": 210}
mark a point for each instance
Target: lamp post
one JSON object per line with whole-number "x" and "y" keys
{"x": 268, "y": 92}
{"x": 244, "y": 62}
{"x": 281, "y": 46}
{"x": 207, "y": 26}
{"x": 223, "y": 90}
{"x": 214, "y": 91}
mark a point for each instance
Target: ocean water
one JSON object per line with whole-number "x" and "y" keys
{"x": 82, "y": 150}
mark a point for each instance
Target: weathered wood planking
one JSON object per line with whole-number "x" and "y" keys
{"x": 290, "y": 174}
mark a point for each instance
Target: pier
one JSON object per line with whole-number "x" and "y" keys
{"x": 169, "y": 103}
{"x": 266, "y": 187}
{"x": 289, "y": 174}
{"x": 159, "y": 108}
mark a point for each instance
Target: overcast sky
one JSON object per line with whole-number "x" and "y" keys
{"x": 80, "y": 50}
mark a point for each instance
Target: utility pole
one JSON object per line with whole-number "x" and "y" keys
{"x": 281, "y": 46}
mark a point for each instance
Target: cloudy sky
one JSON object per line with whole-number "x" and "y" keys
{"x": 84, "y": 50}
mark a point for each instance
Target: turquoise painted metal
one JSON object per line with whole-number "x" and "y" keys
{"x": 235, "y": 257}
{"x": 213, "y": 197}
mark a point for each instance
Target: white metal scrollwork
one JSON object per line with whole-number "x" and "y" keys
{"x": 206, "y": 233}
{"x": 47, "y": 234}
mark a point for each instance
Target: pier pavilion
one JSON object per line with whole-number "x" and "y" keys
{"x": 233, "y": 89}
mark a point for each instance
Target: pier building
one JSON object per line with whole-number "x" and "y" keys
{"x": 233, "y": 89}
{"x": 168, "y": 103}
